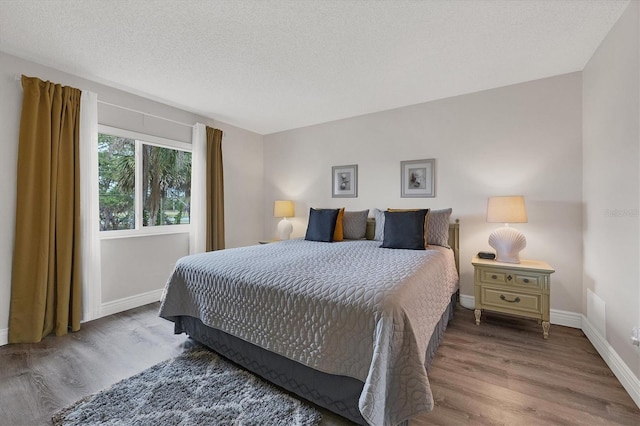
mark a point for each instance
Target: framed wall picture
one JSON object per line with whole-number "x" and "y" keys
{"x": 344, "y": 181}
{"x": 418, "y": 178}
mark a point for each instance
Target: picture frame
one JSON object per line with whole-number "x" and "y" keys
{"x": 344, "y": 181}
{"x": 417, "y": 178}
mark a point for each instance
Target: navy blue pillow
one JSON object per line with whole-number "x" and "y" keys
{"x": 322, "y": 224}
{"x": 404, "y": 230}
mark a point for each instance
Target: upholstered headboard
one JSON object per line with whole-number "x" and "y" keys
{"x": 454, "y": 237}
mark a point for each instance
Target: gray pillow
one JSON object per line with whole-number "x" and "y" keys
{"x": 379, "y": 217}
{"x": 438, "y": 227}
{"x": 354, "y": 224}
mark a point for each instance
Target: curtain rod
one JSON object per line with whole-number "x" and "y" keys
{"x": 18, "y": 77}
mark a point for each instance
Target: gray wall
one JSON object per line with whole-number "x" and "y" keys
{"x": 521, "y": 139}
{"x": 611, "y": 186}
{"x": 119, "y": 282}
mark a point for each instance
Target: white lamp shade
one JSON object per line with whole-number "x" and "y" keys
{"x": 509, "y": 209}
{"x": 283, "y": 208}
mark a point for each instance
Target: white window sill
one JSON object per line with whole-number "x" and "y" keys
{"x": 145, "y": 232}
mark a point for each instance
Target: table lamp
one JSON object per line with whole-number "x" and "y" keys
{"x": 284, "y": 209}
{"x": 508, "y": 242}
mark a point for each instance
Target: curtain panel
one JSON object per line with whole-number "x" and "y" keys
{"x": 90, "y": 207}
{"x": 46, "y": 294}
{"x": 198, "y": 211}
{"x": 215, "y": 191}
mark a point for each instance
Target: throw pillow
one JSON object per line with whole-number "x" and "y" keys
{"x": 322, "y": 225}
{"x": 404, "y": 230}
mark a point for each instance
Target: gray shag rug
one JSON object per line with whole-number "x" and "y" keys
{"x": 197, "y": 387}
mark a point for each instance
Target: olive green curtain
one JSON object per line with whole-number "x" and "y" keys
{"x": 45, "y": 281}
{"x": 215, "y": 191}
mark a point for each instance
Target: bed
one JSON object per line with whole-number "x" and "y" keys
{"x": 349, "y": 326}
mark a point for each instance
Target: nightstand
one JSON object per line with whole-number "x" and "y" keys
{"x": 513, "y": 288}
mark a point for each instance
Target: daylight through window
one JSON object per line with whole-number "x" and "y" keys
{"x": 142, "y": 184}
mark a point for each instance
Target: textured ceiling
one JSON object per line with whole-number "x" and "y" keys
{"x": 269, "y": 66}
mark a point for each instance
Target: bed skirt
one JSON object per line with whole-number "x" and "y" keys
{"x": 339, "y": 394}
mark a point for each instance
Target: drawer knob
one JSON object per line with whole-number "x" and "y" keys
{"x": 516, "y": 300}
{"x": 526, "y": 280}
{"x": 509, "y": 277}
{"x": 494, "y": 277}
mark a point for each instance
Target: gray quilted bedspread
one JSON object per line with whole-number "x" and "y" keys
{"x": 349, "y": 308}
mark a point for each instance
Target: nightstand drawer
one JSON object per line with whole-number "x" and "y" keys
{"x": 497, "y": 276}
{"x": 491, "y": 276}
{"x": 529, "y": 280}
{"x": 522, "y": 302}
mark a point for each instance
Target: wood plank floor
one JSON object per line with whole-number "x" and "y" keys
{"x": 500, "y": 373}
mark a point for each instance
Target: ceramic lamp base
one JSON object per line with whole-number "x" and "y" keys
{"x": 285, "y": 228}
{"x": 508, "y": 243}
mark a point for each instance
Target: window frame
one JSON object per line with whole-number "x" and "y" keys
{"x": 140, "y": 139}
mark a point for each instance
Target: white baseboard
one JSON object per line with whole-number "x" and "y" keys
{"x": 629, "y": 381}
{"x": 110, "y": 308}
{"x": 566, "y": 318}
{"x": 558, "y": 317}
{"x": 4, "y": 336}
{"x": 468, "y": 302}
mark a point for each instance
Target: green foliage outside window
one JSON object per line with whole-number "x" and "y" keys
{"x": 116, "y": 177}
{"x": 166, "y": 184}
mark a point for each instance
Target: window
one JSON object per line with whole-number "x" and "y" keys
{"x": 144, "y": 182}
{"x": 116, "y": 177}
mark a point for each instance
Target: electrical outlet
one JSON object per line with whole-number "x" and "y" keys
{"x": 635, "y": 336}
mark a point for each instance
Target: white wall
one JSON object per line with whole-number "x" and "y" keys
{"x": 611, "y": 184}
{"x": 521, "y": 139}
{"x": 146, "y": 260}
